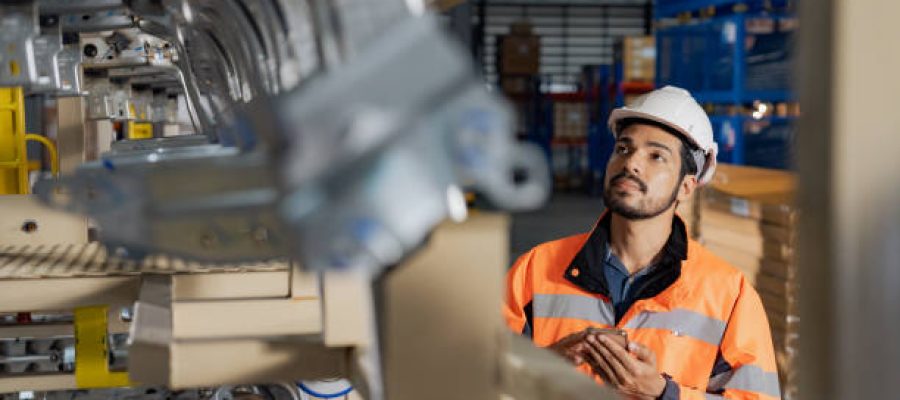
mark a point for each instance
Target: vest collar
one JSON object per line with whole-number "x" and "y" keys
{"x": 586, "y": 268}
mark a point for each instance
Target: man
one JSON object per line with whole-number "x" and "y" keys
{"x": 695, "y": 328}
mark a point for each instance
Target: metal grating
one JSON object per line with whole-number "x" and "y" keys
{"x": 572, "y": 35}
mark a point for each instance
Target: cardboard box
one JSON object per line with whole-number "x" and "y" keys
{"x": 26, "y": 222}
{"x": 516, "y": 85}
{"x": 62, "y": 277}
{"x": 183, "y": 344}
{"x": 780, "y": 306}
{"x": 747, "y": 218}
{"x": 440, "y": 343}
{"x": 570, "y": 120}
{"x": 754, "y": 245}
{"x": 763, "y": 185}
{"x": 447, "y": 342}
{"x": 771, "y": 211}
{"x": 778, "y": 269}
{"x": 638, "y": 57}
{"x": 519, "y": 54}
{"x": 776, "y": 287}
{"x": 41, "y": 382}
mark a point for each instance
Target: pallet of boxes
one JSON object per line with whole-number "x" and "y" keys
{"x": 517, "y": 65}
{"x": 569, "y": 144}
{"x": 637, "y": 55}
{"x": 520, "y": 59}
{"x": 747, "y": 217}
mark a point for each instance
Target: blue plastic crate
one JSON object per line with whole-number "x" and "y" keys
{"x": 671, "y": 8}
{"x": 705, "y": 58}
{"x": 766, "y": 142}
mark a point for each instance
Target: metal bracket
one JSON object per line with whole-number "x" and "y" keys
{"x": 92, "y": 350}
{"x": 98, "y": 21}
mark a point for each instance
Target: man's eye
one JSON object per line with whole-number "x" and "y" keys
{"x": 658, "y": 157}
{"x": 621, "y": 150}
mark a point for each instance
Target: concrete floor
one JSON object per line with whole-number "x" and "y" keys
{"x": 565, "y": 214}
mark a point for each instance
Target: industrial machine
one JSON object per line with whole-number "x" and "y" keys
{"x": 295, "y": 241}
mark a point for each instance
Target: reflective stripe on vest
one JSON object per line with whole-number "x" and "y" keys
{"x": 573, "y": 306}
{"x": 680, "y": 321}
{"x": 683, "y": 323}
{"x": 748, "y": 378}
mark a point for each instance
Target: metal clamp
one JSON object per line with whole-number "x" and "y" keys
{"x": 92, "y": 350}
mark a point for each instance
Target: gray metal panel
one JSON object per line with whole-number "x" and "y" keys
{"x": 77, "y": 6}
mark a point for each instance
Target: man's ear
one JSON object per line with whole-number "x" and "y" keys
{"x": 687, "y": 187}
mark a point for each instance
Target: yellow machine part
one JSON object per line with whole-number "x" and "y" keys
{"x": 92, "y": 350}
{"x": 13, "y": 158}
{"x": 51, "y": 148}
{"x": 140, "y": 130}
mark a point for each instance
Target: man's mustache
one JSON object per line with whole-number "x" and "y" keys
{"x": 626, "y": 175}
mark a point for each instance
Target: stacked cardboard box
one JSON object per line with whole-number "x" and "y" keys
{"x": 570, "y": 120}
{"x": 748, "y": 218}
{"x": 517, "y": 85}
{"x": 520, "y": 51}
{"x": 638, "y": 57}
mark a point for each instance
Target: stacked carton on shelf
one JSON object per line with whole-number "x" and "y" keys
{"x": 747, "y": 217}
{"x": 638, "y": 57}
{"x": 520, "y": 51}
{"x": 570, "y": 120}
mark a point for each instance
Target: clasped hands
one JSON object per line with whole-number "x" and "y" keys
{"x": 628, "y": 367}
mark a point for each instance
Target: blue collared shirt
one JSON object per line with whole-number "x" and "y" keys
{"x": 623, "y": 294}
{"x": 621, "y": 283}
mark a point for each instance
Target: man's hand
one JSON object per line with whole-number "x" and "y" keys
{"x": 635, "y": 376}
{"x": 572, "y": 347}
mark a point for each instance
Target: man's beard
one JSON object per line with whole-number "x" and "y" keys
{"x": 617, "y": 205}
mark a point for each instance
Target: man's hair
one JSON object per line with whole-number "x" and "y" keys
{"x": 688, "y": 165}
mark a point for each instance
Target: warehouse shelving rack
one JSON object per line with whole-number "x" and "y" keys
{"x": 708, "y": 57}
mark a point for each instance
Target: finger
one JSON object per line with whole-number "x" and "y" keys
{"x": 605, "y": 347}
{"x": 642, "y": 353}
{"x": 601, "y": 366}
{"x": 579, "y": 351}
{"x": 620, "y": 354}
{"x": 574, "y": 337}
{"x": 566, "y": 344}
{"x": 601, "y": 346}
{"x": 576, "y": 359}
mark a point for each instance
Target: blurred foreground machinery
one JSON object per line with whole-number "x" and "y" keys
{"x": 295, "y": 237}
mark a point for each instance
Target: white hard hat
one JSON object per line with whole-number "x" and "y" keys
{"x": 675, "y": 108}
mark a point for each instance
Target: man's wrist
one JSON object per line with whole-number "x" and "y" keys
{"x": 659, "y": 386}
{"x": 670, "y": 391}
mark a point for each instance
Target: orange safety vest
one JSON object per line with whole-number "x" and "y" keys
{"x": 708, "y": 314}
